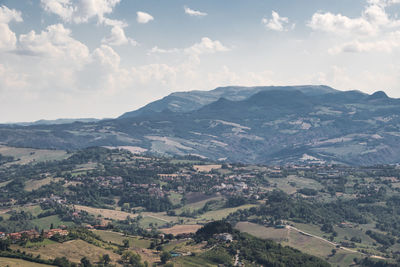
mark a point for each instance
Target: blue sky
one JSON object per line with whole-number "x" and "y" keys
{"x": 101, "y": 58}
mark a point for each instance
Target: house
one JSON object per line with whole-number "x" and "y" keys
{"x": 30, "y": 234}
{"x": 15, "y": 236}
{"x": 226, "y": 237}
{"x": 2, "y": 235}
{"x": 52, "y": 232}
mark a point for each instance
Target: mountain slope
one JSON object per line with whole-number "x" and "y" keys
{"x": 193, "y": 100}
{"x": 274, "y": 126}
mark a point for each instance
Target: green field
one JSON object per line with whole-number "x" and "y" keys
{"x": 36, "y": 184}
{"x": 260, "y": 231}
{"x": 189, "y": 261}
{"x": 175, "y": 198}
{"x": 26, "y": 155}
{"x": 146, "y": 221}
{"x": 222, "y": 213}
{"x": 45, "y": 222}
{"x": 74, "y": 250}
{"x": 199, "y": 204}
{"x": 118, "y": 238}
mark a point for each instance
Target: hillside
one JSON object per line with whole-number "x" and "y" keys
{"x": 274, "y": 125}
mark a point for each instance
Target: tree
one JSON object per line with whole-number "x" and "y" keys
{"x": 105, "y": 259}
{"x": 131, "y": 258}
{"x": 333, "y": 252}
{"x": 165, "y": 256}
{"x": 125, "y": 243}
{"x": 85, "y": 262}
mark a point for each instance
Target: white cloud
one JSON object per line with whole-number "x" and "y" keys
{"x": 194, "y": 13}
{"x": 8, "y": 38}
{"x": 206, "y": 46}
{"x": 277, "y": 23}
{"x": 157, "y": 50}
{"x": 340, "y": 24}
{"x": 143, "y": 17}
{"x": 386, "y": 45}
{"x": 7, "y": 15}
{"x": 80, "y": 11}
{"x": 118, "y": 37}
{"x": 371, "y": 22}
{"x": 54, "y": 42}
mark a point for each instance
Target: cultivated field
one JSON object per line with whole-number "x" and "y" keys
{"x": 206, "y": 168}
{"x": 106, "y": 213}
{"x": 260, "y": 231}
{"x": 181, "y": 229}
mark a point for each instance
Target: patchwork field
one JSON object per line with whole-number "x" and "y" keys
{"x": 304, "y": 242}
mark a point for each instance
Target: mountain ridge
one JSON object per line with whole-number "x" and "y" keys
{"x": 270, "y": 126}
{"x": 192, "y": 100}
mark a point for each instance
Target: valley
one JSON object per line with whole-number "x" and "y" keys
{"x": 344, "y": 215}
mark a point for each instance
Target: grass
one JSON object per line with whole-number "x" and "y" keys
{"x": 145, "y": 222}
{"x": 26, "y": 155}
{"x": 222, "y": 213}
{"x": 180, "y": 229}
{"x": 45, "y": 222}
{"x": 175, "y": 198}
{"x": 20, "y": 263}
{"x": 106, "y": 213}
{"x": 117, "y": 238}
{"x": 35, "y": 209}
{"x": 199, "y": 204}
{"x": 263, "y": 232}
{"x": 31, "y": 185}
{"x": 286, "y": 184}
{"x": 5, "y": 183}
{"x": 189, "y": 261}
{"x": 43, "y": 243}
{"x": 207, "y": 168}
{"x": 74, "y": 250}
{"x": 304, "y": 243}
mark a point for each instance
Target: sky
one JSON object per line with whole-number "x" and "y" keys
{"x": 101, "y": 58}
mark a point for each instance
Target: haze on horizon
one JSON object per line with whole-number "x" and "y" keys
{"x": 88, "y": 58}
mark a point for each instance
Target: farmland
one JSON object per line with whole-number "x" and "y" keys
{"x": 74, "y": 250}
{"x": 20, "y": 263}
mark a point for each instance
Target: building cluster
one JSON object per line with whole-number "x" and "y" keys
{"x": 32, "y": 234}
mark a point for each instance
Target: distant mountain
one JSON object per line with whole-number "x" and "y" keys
{"x": 57, "y": 121}
{"x": 193, "y": 100}
{"x": 273, "y": 125}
